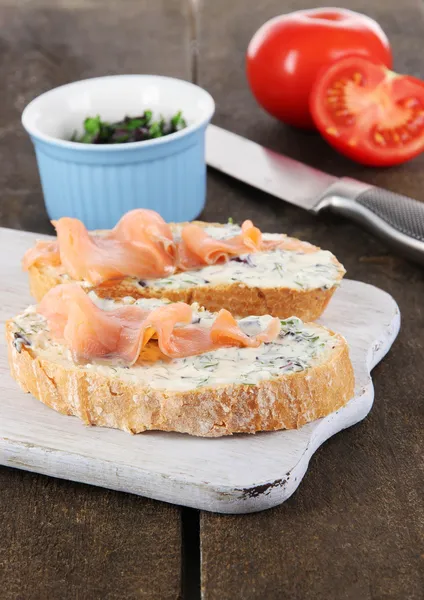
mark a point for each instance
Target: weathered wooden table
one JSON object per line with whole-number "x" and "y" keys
{"x": 354, "y": 529}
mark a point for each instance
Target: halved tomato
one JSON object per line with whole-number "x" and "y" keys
{"x": 368, "y": 112}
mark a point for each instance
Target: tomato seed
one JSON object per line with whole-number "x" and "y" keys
{"x": 332, "y": 131}
{"x": 379, "y": 139}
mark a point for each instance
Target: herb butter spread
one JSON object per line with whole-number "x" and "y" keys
{"x": 298, "y": 347}
{"x": 276, "y": 268}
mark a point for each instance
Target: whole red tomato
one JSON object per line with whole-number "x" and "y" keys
{"x": 286, "y": 53}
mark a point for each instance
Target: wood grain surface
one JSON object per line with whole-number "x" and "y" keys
{"x": 70, "y": 541}
{"x": 61, "y": 540}
{"x": 354, "y": 529}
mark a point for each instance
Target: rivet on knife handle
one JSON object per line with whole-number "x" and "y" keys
{"x": 396, "y": 219}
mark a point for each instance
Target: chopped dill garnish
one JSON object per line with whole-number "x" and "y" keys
{"x": 202, "y": 382}
{"x": 279, "y": 268}
{"x": 19, "y": 327}
{"x": 291, "y": 322}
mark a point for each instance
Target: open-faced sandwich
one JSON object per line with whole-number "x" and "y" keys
{"x": 218, "y": 266}
{"x": 149, "y": 364}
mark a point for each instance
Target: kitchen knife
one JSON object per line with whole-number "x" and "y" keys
{"x": 396, "y": 219}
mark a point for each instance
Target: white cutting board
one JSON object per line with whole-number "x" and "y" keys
{"x": 239, "y": 474}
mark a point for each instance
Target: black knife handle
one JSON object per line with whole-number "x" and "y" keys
{"x": 400, "y": 212}
{"x": 396, "y": 219}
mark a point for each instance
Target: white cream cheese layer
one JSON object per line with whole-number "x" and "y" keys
{"x": 277, "y": 268}
{"x": 297, "y": 348}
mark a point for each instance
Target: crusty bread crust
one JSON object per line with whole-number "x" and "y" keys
{"x": 236, "y": 297}
{"x": 284, "y": 403}
{"x": 239, "y": 299}
{"x": 41, "y": 280}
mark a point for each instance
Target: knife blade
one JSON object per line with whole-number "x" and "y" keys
{"x": 396, "y": 219}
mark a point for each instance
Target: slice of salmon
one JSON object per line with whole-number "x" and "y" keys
{"x": 142, "y": 245}
{"x": 122, "y": 333}
{"x": 197, "y": 248}
{"x": 44, "y": 252}
{"x": 90, "y": 332}
{"x": 226, "y": 331}
{"x": 146, "y": 227}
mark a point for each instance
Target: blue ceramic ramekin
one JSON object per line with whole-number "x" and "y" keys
{"x": 99, "y": 183}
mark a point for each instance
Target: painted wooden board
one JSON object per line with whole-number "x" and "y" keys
{"x": 239, "y": 474}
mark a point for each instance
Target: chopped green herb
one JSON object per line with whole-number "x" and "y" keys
{"x": 155, "y": 130}
{"x": 279, "y": 268}
{"x": 202, "y": 382}
{"x": 178, "y": 122}
{"x": 130, "y": 129}
{"x": 132, "y": 124}
{"x": 19, "y": 328}
{"x": 92, "y": 125}
{"x": 294, "y": 322}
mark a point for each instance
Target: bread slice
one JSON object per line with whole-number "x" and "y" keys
{"x": 303, "y": 375}
{"x": 280, "y": 282}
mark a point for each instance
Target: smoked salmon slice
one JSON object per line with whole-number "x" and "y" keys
{"x": 197, "y": 248}
{"x": 225, "y": 331}
{"x": 142, "y": 245}
{"x": 144, "y": 226}
{"x": 121, "y": 334}
{"x": 46, "y": 253}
